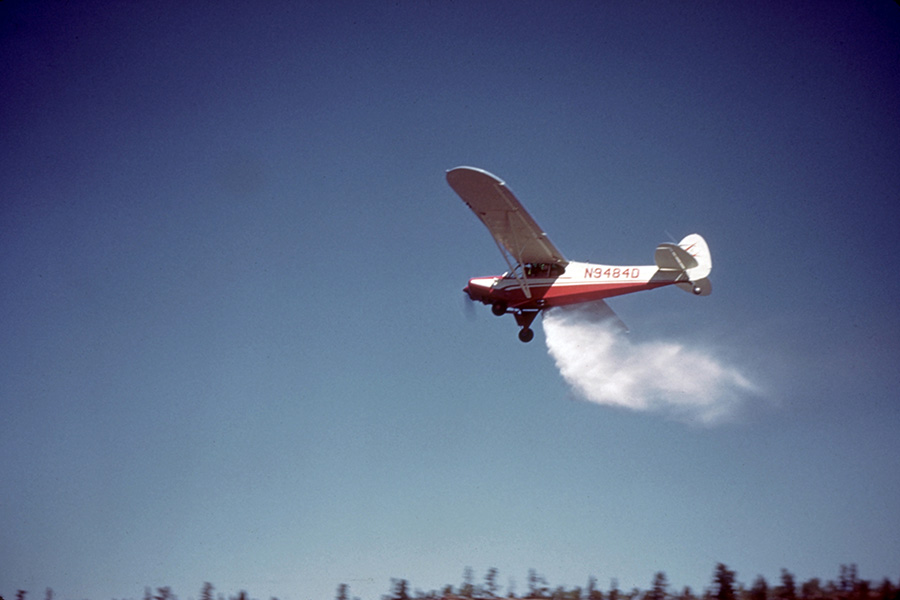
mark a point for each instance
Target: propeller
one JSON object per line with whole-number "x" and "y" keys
{"x": 469, "y": 308}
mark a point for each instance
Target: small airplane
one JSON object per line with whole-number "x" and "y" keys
{"x": 539, "y": 277}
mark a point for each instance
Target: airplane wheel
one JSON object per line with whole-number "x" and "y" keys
{"x": 498, "y": 308}
{"x": 526, "y": 335}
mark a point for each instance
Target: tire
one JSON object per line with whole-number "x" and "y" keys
{"x": 498, "y": 308}
{"x": 526, "y": 335}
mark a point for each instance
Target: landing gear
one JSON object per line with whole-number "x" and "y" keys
{"x": 498, "y": 308}
{"x": 524, "y": 319}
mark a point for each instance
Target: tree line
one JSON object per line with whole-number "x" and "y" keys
{"x": 723, "y": 586}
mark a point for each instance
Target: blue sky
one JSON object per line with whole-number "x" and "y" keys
{"x": 235, "y": 347}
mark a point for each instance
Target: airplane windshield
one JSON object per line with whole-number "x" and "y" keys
{"x": 535, "y": 270}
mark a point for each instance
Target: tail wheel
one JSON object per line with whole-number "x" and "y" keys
{"x": 498, "y": 308}
{"x": 526, "y": 334}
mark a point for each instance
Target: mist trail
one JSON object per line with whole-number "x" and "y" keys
{"x": 603, "y": 365}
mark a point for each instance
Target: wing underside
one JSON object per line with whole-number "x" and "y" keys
{"x": 512, "y": 227}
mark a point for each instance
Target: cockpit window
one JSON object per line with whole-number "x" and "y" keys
{"x": 536, "y": 271}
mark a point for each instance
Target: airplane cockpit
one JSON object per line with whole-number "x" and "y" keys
{"x": 536, "y": 271}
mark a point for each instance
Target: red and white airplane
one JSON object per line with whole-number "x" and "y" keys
{"x": 539, "y": 277}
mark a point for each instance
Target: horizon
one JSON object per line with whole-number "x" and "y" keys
{"x": 847, "y": 584}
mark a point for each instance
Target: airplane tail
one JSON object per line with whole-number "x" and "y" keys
{"x": 690, "y": 261}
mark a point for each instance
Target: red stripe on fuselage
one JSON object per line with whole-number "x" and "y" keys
{"x": 547, "y": 294}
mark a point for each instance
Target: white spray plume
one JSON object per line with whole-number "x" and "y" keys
{"x": 604, "y": 366}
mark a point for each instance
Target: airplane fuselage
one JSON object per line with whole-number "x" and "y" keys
{"x": 546, "y": 286}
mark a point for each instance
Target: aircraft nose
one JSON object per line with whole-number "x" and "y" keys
{"x": 475, "y": 292}
{"x": 478, "y": 288}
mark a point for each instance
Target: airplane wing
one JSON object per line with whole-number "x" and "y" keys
{"x": 505, "y": 217}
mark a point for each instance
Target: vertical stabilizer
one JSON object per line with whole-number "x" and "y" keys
{"x": 695, "y": 245}
{"x": 698, "y": 283}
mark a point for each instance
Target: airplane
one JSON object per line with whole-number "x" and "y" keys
{"x": 540, "y": 277}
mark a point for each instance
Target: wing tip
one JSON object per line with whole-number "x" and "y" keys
{"x": 466, "y": 170}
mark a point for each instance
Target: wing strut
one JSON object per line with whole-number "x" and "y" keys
{"x": 516, "y": 272}
{"x": 523, "y": 282}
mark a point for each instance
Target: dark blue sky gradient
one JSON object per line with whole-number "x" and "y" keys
{"x": 234, "y": 344}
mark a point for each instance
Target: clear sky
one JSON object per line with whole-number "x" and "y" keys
{"x": 234, "y": 343}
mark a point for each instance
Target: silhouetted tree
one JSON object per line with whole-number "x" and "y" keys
{"x": 658, "y": 588}
{"x": 861, "y": 590}
{"x": 847, "y": 580}
{"x": 614, "y": 589}
{"x": 787, "y": 590}
{"x": 687, "y": 594}
{"x": 886, "y": 590}
{"x": 812, "y": 590}
{"x": 537, "y": 585}
{"x": 48, "y": 595}
{"x": 432, "y": 595}
{"x": 20, "y": 595}
{"x": 163, "y": 593}
{"x": 532, "y": 584}
{"x": 760, "y": 589}
{"x": 399, "y": 590}
{"x": 467, "y": 589}
{"x": 206, "y": 593}
{"x": 490, "y": 583}
{"x": 592, "y": 592}
{"x": 561, "y": 593}
{"x": 341, "y": 592}
{"x": 724, "y": 582}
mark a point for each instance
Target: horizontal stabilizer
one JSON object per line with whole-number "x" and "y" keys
{"x": 670, "y": 257}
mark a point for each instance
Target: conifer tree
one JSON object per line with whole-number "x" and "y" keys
{"x": 724, "y": 581}
{"x": 760, "y": 589}
{"x": 787, "y": 590}
{"x": 467, "y": 589}
{"x": 399, "y": 589}
{"x": 490, "y": 583}
{"x": 658, "y": 588}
